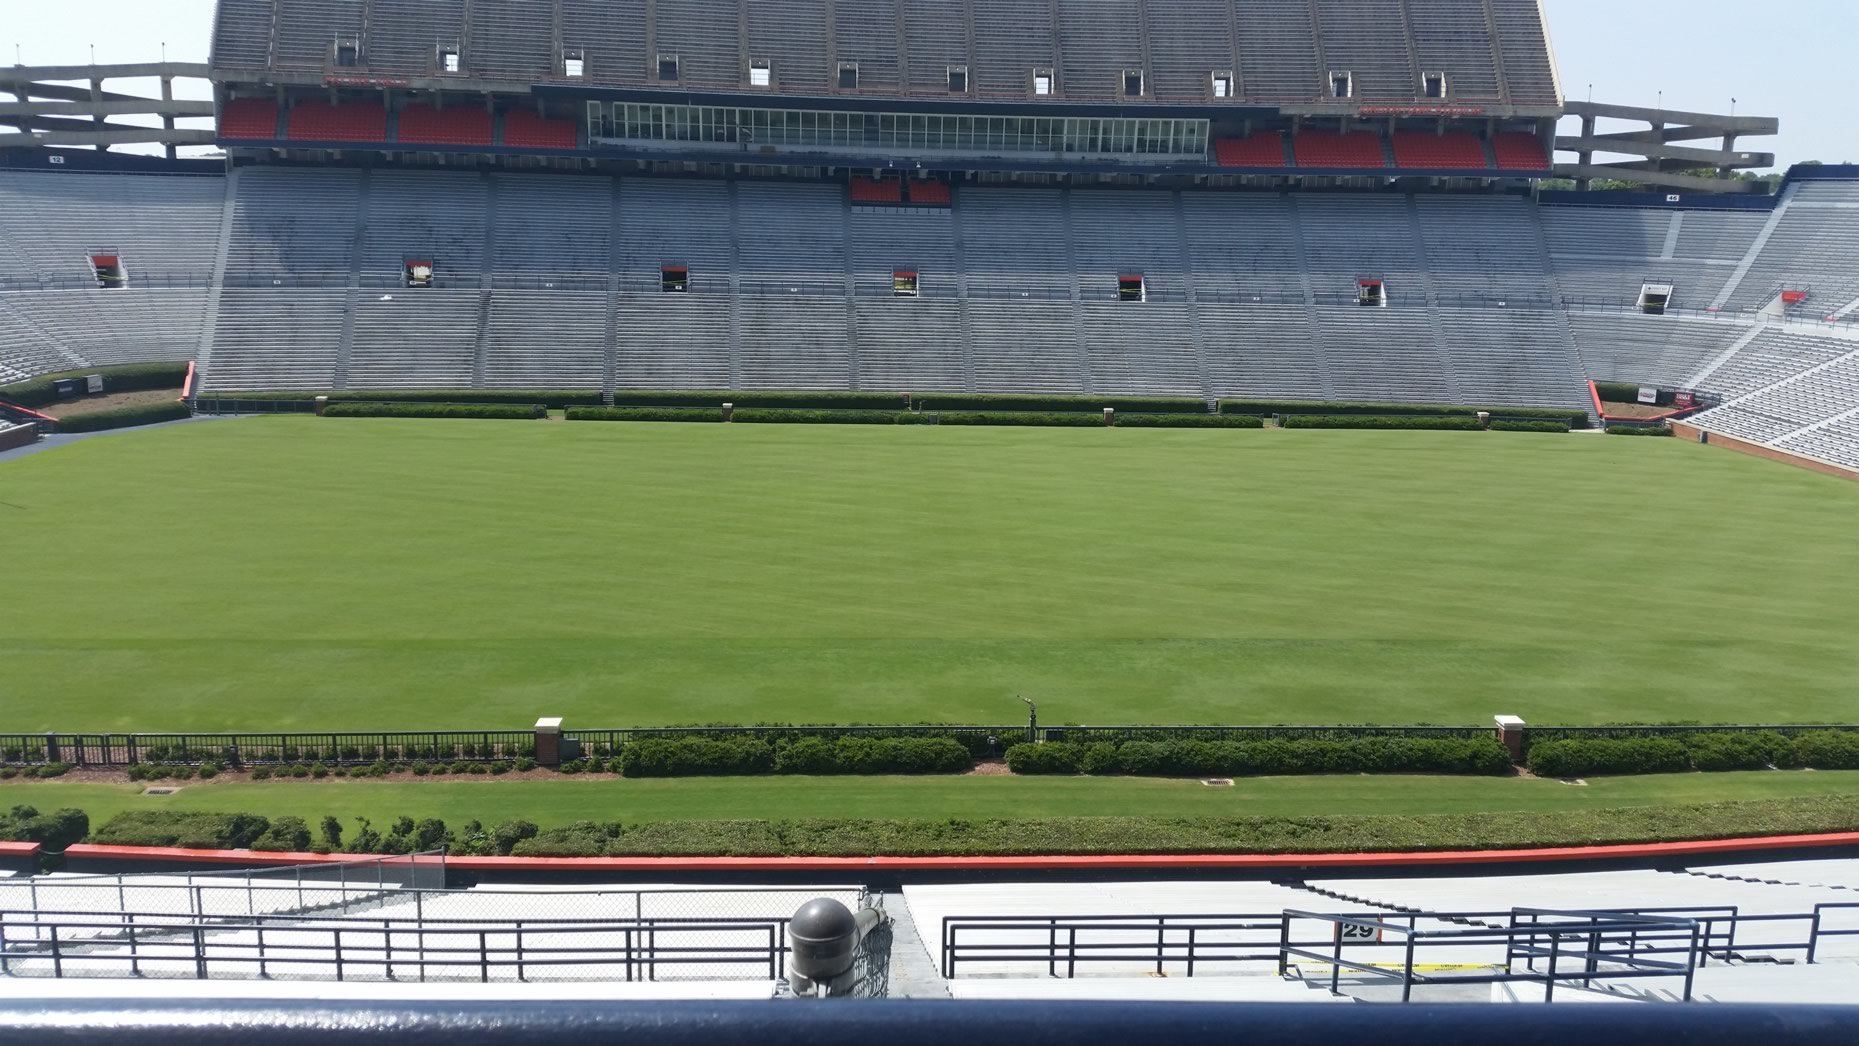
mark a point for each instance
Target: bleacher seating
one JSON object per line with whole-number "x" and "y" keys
{"x": 249, "y": 118}
{"x": 1330, "y": 149}
{"x": 1279, "y": 50}
{"x": 1262, "y": 149}
{"x": 877, "y": 191}
{"x": 1516, "y": 151}
{"x": 1246, "y": 293}
{"x": 421, "y": 124}
{"x": 318, "y": 121}
{"x": 929, "y": 192}
{"x": 1458, "y": 150}
{"x": 523, "y": 129}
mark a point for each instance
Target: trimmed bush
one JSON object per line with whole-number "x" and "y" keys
{"x": 286, "y": 835}
{"x": 695, "y": 757}
{"x": 53, "y": 831}
{"x": 132, "y": 377}
{"x": 207, "y": 831}
{"x": 1618, "y": 391}
{"x": 1828, "y": 750}
{"x": 714, "y": 414}
{"x": 1047, "y": 420}
{"x": 1530, "y": 426}
{"x": 1374, "y": 755}
{"x": 1575, "y": 418}
{"x": 580, "y": 839}
{"x": 125, "y": 417}
{"x": 1363, "y": 421}
{"x": 505, "y": 836}
{"x": 1594, "y": 757}
{"x": 989, "y": 403}
{"x": 1712, "y": 752}
{"x": 1188, "y": 421}
{"x": 1051, "y": 757}
{"x": 554, "y": 399}
{"x": 865, "y": 755}
{"x": 714, "y": 399}
{"x": 763, "y": 416}
{"x": 1638, "y": 430}
{"x": 487, "y": 411}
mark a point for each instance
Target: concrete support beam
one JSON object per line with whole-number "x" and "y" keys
{"x": 1719, "y": 124}
{"x": 123, "y": 136}
{"x": 27, "y": 73}
{"x": 1585, "y": 172}
{"x": 106, "y": 108}
{"x": 1588, "y": 145}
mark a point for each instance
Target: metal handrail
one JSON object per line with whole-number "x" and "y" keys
{"x": 347, "y": 944}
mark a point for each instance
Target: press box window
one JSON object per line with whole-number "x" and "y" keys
{"x": 348, "y": 50}
{"x": 1433, "y": 85}
{"x": 1132, "y": 83}
{"x": 848, "y": 76}
{"x": 668, "y": 67}
{"x": 1042, "y": 82}
{"x": 760, "y": 75}
{"x": 1342, "y": 85}
{"x": 448, "y": 60}
{"x": 574, "y": 64}
{"x": 1371, "y": 294}
{"x": 904, "y": 284}
{"x": 958, "y": 79}
{"x": 1130, "y": 288}
{"x": 1223, "y": 85}
{"x": 674, "y": 279}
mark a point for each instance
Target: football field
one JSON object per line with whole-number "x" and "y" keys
{"x": 299, "y": 574}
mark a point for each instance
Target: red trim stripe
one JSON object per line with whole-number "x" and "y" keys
{"x": 1031, "y": 864}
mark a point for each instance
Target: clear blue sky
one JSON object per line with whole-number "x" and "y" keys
{"x": 1778, "y": 58}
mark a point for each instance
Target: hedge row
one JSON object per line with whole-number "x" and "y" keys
{"x": 1628, "y": 392}
{"x": 1339, "y": 833}
{"x": 132, "y": 377}
{"x": 989, "y": 403}
{"x": 554, "y": 399}
{"x": 1189, "y": 421}
{"x": 1484, "y": 756}
{"x": 697, "y": 756}
{"x": 125, "y": 417}
{"x": 1358, "y": 421}
{"x": 492, "y": 411}
{"x": 1576, "y": 418}
{"x": 1639, "y": 430}
{"x": 644, "y": 414}
{"x": 1045, "y": 420}
{"x": 1529, "y": 426}
{"x": 714, "y": 399}
{"x": 53, "y": 831}
{"x": 1596, "y": 757}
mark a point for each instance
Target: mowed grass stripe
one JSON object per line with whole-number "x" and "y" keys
{"x": 301, "y": 573}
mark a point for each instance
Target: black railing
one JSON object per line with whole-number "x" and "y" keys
{"x": 67, "y": 944}
{"x": 1586, "y": 939}
{"x": 1515, "y": 941}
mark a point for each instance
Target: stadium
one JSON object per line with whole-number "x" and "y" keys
{"x": 687, "y": 500}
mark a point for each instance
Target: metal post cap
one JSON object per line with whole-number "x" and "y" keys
{"x": 822, "y": 919}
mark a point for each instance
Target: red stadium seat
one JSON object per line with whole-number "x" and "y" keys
{"x": 1517, "y": 151}
{"x": 462, "y": 125}
{"x": 255, "y": 118}
{"x": 1265, "y": 149}
{"x": 1459, "y": 150}
{"x": 350, "y": 122}
{"x": 1329, "y": 149}
{"x": 930, "y": 193}
{"x": 523, "y": 129}
{"x": 877, "y": 191}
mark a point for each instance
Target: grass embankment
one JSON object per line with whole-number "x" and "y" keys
{"x": 297, "y": 573}
{"x": 982, "y": 815}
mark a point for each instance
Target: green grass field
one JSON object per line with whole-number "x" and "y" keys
{"x": 301, "y": 573}
{"x": 551, "y": 801}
